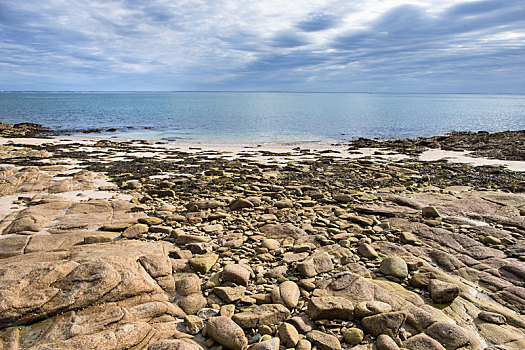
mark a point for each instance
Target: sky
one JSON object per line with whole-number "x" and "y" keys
{"x": 278, "y": 45}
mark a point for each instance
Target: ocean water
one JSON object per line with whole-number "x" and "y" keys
{"x": 244, "y": 117}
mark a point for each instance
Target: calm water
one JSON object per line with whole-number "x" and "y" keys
{"x": 266, "y": 117}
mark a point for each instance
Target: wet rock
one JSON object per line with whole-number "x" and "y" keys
{"x": 395, "y": 267}
{"x": 330, "y": 308}
{"x": 226, "y": 332}
{"x": 267, "y": 314}
{"x": 323, "y": 341}
{"x": 386, "y": 323}
{"x": 442, "y": 292}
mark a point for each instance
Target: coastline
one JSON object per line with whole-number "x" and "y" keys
{"x": 191, "y": 233}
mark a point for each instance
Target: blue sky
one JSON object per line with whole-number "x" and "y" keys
{"x": 368, "y": 45}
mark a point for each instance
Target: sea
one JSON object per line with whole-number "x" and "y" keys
{"x": 263, "y": 117}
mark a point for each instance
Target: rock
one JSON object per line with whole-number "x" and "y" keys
{"x": 226, "y": 332}
{"x": 135, "y": 231}
{"x": 283, "y": 204}
{"x": 353, "y": 336}
{"x": 270, "y": 243}
{"x": 188, "y": 285}
{"x": 267, "y": 314}
{"x": 323, "y": 341}
{"x": 384, "y": 342}
{"x": 303, "y": 344}
{"x": 288, "y": 335}
{"x": 302, "y": 323}
{"x": 97, "y": 239}
{"x": 192, "y": 303}
{"x": 282, "y": 231}
{"x": 175, "y": 344}
{"x": 449, "y": 335}
{"x": 194, "y": 323}
{"x": 330, "y": 308}
{"x": 395, "y": 267}
{"x": 203, "y": 263}
{"x": 270, "y": 344}
{"x": 238, "y": 274}
{"x": 240, "y": 203}
{"x": 442, "y": 292}
{"x": 230, "y": 294}
{"x": 28, "y": 223}
{"x": 317, "y": 263}
{"x": 492, "y": 317}
{"x": 115, "y": 227}
{"x": 150, "y": 221}
{"x": 367, "y": 251}
{"x": 289, "y": 293}
{"x": 387, "y": 323}
{"x": 370, "y": 308}
{"x": 421, "y": 280}
{"x": 422, "y": 342}
{"x": 342, "y": 198}
{"x": 430, "y": 213}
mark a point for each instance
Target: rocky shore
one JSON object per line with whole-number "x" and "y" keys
{"x": 140, "y": 245}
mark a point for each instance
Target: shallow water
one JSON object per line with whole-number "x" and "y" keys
{"x": 266, "y": 117}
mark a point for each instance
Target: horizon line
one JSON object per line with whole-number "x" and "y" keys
{"x": 259, "y": 91}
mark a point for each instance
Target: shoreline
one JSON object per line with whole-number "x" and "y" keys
{"x": 167, "y": 237}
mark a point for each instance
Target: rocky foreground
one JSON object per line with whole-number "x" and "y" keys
{"x": 303, "y": 249}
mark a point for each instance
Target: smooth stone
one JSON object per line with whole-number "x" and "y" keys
{"x": 449, "y": 335}
{"x": 192, "y": 303}
{"x": 226, "y": 332}
{"x": 289, "y": 293}
{"x": 353, "y": 336}
{"x": 288, "y": 335}
{"x": 384, "y": 342}
{"x": 270, "y": 344}
{"x": 188, "y": 285}
{"x": 394, "y": 266}
{"x": 422, "y": 342}
{"x": 492, "y": 317}
{"x": 323, "y": 341}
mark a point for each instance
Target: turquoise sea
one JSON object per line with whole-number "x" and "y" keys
{"x": 265, "y": 117}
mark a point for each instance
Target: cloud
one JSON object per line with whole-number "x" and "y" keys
{"x": 231, "y": 44}
{"x": 317, "y": 22}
